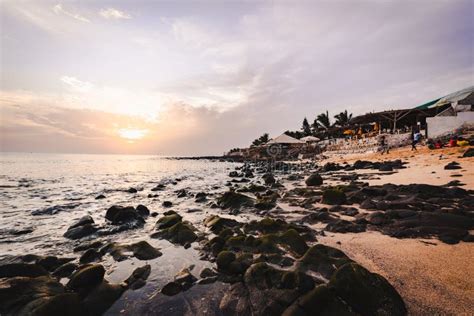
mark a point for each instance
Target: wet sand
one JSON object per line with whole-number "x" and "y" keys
{"x": 433, "y": 278}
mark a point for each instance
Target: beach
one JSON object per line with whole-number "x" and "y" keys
{"x": 186, "y": 237}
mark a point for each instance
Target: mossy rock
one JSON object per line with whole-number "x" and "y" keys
{"x": 237, "y": 242}
{"x": 180, "y": 233}
{"x": 234, "y": 200}
{"x": 224, "y": 259}
{"x": 367, "y": 293}
{"x": 267, "y": 225}
{"x": 86, "y": 278}
{"x": 293, "y": 241}
{"x": 334, "y": 196}
{"x": 168, "y": 220}
{"x": 319, "y": 301}
{"x": 144, "y": 251}
{"x": 297, "y": 280}
{"x": 216, "y": 223}
{"x": 266, "y": 244}
{"x": 263, "y": 276}
{"x": 323, "y": 259}
{"x": 102, "y": 297}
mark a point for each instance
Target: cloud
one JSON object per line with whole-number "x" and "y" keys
{"x": 76, "y": 84}
{"x": 58, "y": 9}
{"x": 112, "y": 13}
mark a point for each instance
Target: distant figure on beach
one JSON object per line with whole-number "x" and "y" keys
{"x": 383, "y": 145}
{"x": 415, "y": 140}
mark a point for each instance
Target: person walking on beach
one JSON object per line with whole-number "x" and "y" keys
{"x": 416, "y": 139}
{"x": 383, "y": 145}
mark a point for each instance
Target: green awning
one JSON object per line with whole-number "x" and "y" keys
{"x": 426, "y": 105}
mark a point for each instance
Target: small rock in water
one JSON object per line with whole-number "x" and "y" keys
{"x": 132, "y": 190}
{"x": 100, "y": 197}
{"x": 167, "y": 204}
{"x": 90, "y": 255}
{"x": 171, "y": 289}
{"x": 142, "y": 210}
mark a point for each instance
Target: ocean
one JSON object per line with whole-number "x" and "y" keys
{"x": 43, "y": 194}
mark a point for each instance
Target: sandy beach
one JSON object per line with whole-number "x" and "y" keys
{"x": 433, "y": 278}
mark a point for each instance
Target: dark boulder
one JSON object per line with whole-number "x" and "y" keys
{"x": 80, "y": 232}
{"x": 469, "y": 153}
{"x": 87, "y": 219}
{"x": 102, "y": 297}
{"x": 234, "y": 200}
{"x": 171, "y": 289}
{"x": 452, "y": 166}
{"x": 119, "y": 214}
{"x": 19, "y": 269}
{"x": 314, "y": 180}
{"x": 367, "y": 293}
{"x": 138, "y": 277}
{"x": 333, "y": 196}
{"x": 142, "y": 210}
{"x": 86, "y": 278}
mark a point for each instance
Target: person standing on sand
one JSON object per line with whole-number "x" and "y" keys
{"x": 383, "y": 145}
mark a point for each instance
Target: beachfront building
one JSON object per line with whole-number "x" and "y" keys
{"x": 457, "y": 114}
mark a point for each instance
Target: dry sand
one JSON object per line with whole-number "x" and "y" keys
{"x": 433, "y": 278}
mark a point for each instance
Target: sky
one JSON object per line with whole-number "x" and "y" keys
{"x": 201, "y": 77}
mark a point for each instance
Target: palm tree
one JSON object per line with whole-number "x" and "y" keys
{"x": 306, "y": 128}
{"x": 342, "y": 118}
{"x": 323, "y": 120}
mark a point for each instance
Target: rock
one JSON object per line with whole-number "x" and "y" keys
{"x": 37, "y": 296}
{"x": 377, "y": 218}
{"x": 319, "y": 301}
{"x": 144, "y": 251}
{"x": 185, "y": 279}
{"x": 234, "y": 200}
{"x": 216, "y": 223}
{"x": 102, "y": 297}
{"x": 17, "y": 269}
{"x": 138, "y": 277}
{"x": 100, "y": 197}
{"x": 180, "y": 233}
{"x": 333, "y": 196}
{"x": 159, "y": 187}
{"x": 469, "y": 153}
{"x": 86, "y": 278}
{"x": 268, "y": 178}
{"x": 87, "y": 219}
{"x": 142, "y": 210}
{"x": 224, "y": 259}
{"x": 452, "y": 166}
{"x": 314, "y": 179}
{"x": 65, "y": 270}
{"x": 207, "y": 280}
{"x": 206, "y": 273}
{"x": 80, "y": 232}
{"x": 132, "y": 190}
{"x": 171, "y": 289}
{"x": 233, "y": 174}
{"x": 167, "y": 204}
{"x": 168, "y": 220}
{"x": 118, "y": 214}
{"x": 322, "y": 259}
{"x": 367, "y": 293}
{"x": 90, "y": 255}
{"x": 85, "y": 246}
{"x": 50, "y": 263}
{"x": 385, "y": 167}
{"x": 293, "y": 241}
{"x": 343, "y": 226}
{"x": 181, "y": 193}
{"x": 200, "y": 197}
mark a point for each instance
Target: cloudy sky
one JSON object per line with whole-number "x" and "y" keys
{"x": 200, "y": 77}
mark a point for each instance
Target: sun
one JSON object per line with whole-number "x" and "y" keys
{"x": 132, "y": 134}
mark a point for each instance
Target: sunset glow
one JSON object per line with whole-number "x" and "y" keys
{"x": 132, "y": 134}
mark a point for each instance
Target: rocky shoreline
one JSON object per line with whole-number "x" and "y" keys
{"x": 271, "y": 264}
